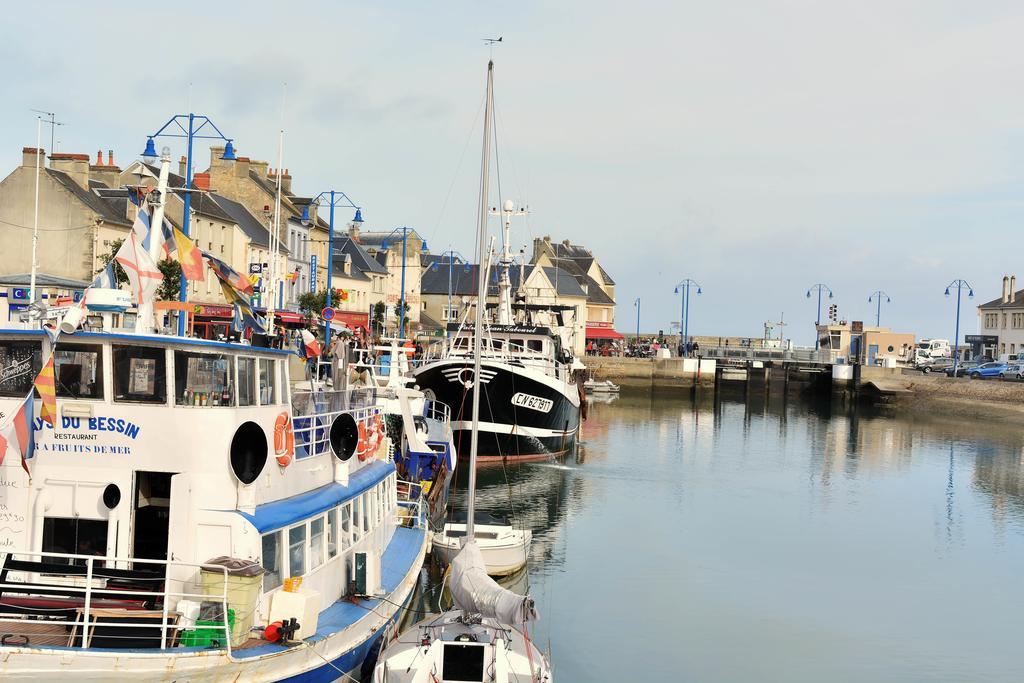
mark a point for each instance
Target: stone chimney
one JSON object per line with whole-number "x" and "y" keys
{"x": 216, "y": 152}
{"x": 182, "y": 165}
{"x": 1006, "y": 289}
{"x": 260, "y": 167}
{"x": 29, "y": 154}
{"x": 75, "y": 165}
{"x": 1013, "y": 289}
{"x": 286, "y": 181}
{"x": 201, "y": 181}
{"x": 110, "y": 157}
{"x": 242, "y": 167}
{"x": 353, "y": 231}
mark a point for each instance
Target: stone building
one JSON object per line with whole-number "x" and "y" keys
{"x": 386, "y": 249}
{"x": 1002, "y": 318}
{"x": 599, "y": 287}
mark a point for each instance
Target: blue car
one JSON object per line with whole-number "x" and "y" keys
{"x": 986, "y": 370}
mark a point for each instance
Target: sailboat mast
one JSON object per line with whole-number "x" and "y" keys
{"x": 481, "y": 298}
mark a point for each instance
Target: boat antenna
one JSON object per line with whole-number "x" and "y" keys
{"x": 481, "y": 297}
{"x": 275, "y": 238}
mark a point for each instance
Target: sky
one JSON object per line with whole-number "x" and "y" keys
{"x": 758, "y": 148}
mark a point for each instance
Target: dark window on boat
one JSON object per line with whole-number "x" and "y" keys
{"x": 462, "y": 662}
{"x": 497, "y": 344}
{"x": 246, "y": 381}
{"x": 272, "y": 561}
{"x": 78, "y": 371}
{"x": 202, "y": 379}
{"x": 140, "y": 374}
{"x": 20, "y": 362}
{"x": 535, "y": 345}
{"x": 516, "y": 344}
{"x": 74, "y": 536}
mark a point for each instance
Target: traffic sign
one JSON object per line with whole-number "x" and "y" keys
{"x": 255, "y": 268}
{"x": 327, "y": 313}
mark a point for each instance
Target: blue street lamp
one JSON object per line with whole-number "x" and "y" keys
{"x": 194, "y": 129}
{"x": 384, "y": 246}
{"x": 637, "y": 304}
{"x": 877, "y": 297}
{"x": 960, "y": 285}
{"x": 331, "y": 198}
{"x": 452, "y": 255}
{"x": 820, "y": 288}
{"x": 684, "y": 310}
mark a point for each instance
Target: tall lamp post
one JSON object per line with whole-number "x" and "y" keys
{"x": 960, "y": 286}
{"x": 331, "y": 199}
{"x": 683, "y": 288}
{"x": 820, "y": 288}
{"x": 189, "y": 126}
{"x": 877, "y": 298}
{"x": 637, "y": 304}
{"x": 466, "y": 267}
{"x": 404, "y": 232}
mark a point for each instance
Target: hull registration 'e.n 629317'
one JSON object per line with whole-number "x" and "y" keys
{"x": 537, "y": 403}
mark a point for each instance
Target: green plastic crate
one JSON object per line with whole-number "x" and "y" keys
{"x": 208, "y": 637}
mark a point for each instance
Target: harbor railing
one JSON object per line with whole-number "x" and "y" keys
{"x": 740, "y": 353}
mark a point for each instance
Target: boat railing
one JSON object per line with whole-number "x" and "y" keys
{"x": 52, "y": 599}
{"x": 314, "y": 411}
{"x": 436, "y": 410}
{"x": 412, "y": 504}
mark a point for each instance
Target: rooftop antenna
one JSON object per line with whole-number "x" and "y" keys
{"x": 53, "y": 124}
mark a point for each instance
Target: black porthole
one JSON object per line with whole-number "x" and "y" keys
{"x": 248, "y": 452}
{"x": 111, "y": 496}
{"x": 344, "y": 436}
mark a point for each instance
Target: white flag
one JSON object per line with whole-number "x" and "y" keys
{"x": 140, "y": 268}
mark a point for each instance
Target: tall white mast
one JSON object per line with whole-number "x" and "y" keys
{"x": 275, "y": 238}
{"x": 481, "y": 298}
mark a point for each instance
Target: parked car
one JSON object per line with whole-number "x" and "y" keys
{"x": 986, "y": 370}
{"x": 963, "y": 368}
{"x": 1013, "y": 371}
{"x": 935, "y": 365}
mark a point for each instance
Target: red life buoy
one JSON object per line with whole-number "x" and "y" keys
{"x": 284, "y": 439}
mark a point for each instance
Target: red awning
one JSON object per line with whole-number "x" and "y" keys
{"x": 603, "y": 333}
{"x": 352, "y": 320}
{"x": 289, "y": 317}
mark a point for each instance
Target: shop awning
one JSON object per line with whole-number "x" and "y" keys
{"x": 595, "y": 332}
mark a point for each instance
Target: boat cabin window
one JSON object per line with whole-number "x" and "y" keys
{"x": 367, "y": 505}
{"x": 140, "y": 374}
{"x": 516, "y": 345}
{"x": 462, "y": 343}
{"x": 357, "y": 518}
{"x": 272, "y": 561}
{"x": 20, "y": 362}
{"x": 202, "y": 379}
{"x": 316, "y": 542}
{"x": 75, "y": 536}
{"x": 268, "y": 382}
{"x": 346, "y": 526}
{"x": 332, "y": 533}
{"x": 246, "y": 381}
{"x": 297, "y": 550}
{"x": 536, "y": 345}
{"x": 497, "y": 344}
{"x": 78, "y": 371}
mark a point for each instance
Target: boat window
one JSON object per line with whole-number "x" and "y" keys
{"x": 246, "y": 381}
{"x": 332, "y": 533}
{"x": 271, "y": 561}
{"x": 462, "y": 343}
{"x": 201, "y": 379}
{"x": 74, "y": 536}
{"x": 516, "y": 345}
{"x": 140, "y": 374}
{"x": 316, "y": 542}
{"x": 346, "y": 525}
{"x": 20, "y": 362}
{"x": 535, "y": 345}
{"x": 78, "y": 371}
{"x": 268, "y": 382}
{"x": 357, "y": 518}
{"x": 297, "y": 550}
{"x": 497, "y": 344}
{"x": 367, "y": 504}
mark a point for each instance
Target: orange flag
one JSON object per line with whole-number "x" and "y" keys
{"x": 189, "y": 257}
{"x": 44, "y": 385}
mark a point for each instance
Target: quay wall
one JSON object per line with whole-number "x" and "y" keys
{"x": 651, "y": 373}
{"x": 967, "y": 398}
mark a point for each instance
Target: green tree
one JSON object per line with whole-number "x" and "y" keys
{"x": 169, "y": 268}
{"x": 398, "y": 318}
{"x": 379, "y": 309}
{"x": 313, "y": 303}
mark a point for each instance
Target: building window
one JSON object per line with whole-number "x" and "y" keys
{"x": 78, "y": 371}
{"x": 140, "y": 374}
{"x": 271, "y": 561}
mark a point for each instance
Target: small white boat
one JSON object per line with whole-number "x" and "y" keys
{"x": 594, "y": 386}
{"x": 504, "y": 548}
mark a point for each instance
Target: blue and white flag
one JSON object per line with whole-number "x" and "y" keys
{"x": 105, "y": 279}
{"x": 143, "y": 226}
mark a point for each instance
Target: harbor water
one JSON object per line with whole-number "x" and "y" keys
{"x": 779, "y": 540}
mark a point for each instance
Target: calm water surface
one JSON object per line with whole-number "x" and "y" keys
{"x": 776, "y": 540}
